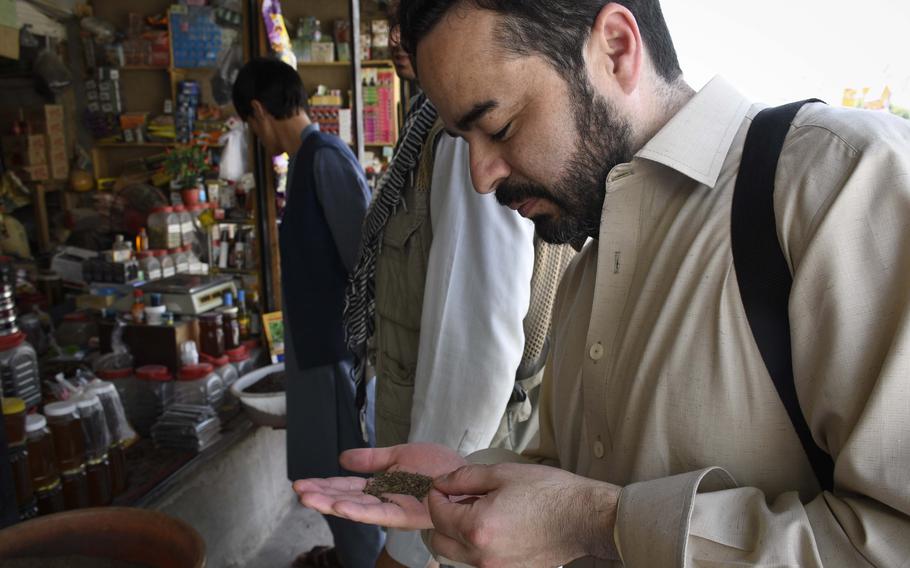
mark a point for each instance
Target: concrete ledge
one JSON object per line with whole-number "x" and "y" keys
{"x": 235, "y": 496}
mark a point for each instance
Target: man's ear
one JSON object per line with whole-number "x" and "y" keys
{"x": 615, "y": 49}
{"x": 258, "y": 110}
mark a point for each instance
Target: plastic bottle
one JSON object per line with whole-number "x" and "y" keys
{"x": 155, "y": 310}
{"x": 138, "y": 308}
{"x": 121, "y": 251}
{"x": 243, "y": 315}
{"x": 167, "y": 263}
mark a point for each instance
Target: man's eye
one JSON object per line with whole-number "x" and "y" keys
{"x": 500, "y": 135}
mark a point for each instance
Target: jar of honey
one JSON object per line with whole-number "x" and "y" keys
{"x": 66, "y": 430}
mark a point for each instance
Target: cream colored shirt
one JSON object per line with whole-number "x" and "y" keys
{"x": 655, "y": 382}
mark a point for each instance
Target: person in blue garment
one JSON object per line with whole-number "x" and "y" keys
{"x": 319, "y": 237}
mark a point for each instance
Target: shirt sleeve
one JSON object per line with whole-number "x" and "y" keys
{"x": 843, "y": 215}
{"x": 476, "y": 296}
{"x": 342, "y": 190}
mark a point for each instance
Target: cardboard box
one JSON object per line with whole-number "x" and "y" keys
{"x": 35, "y": 173}
{"x": 9, "y": 42}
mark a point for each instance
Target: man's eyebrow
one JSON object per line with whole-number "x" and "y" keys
{"x": 480, "y": 109}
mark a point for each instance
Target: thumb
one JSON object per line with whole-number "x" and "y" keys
{"x": 368, "y": 460}
{"x": 469, "y": 480}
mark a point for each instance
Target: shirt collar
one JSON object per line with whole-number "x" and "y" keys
{"x": 696, "y": 140}
{"x": 311, "y": 128}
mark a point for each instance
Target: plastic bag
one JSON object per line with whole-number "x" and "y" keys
{"x": 234, "y": 157}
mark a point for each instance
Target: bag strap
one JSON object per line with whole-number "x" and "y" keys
{"x": 762, "y": 271}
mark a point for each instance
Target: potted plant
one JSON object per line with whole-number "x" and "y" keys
{"x": 187, "y": 165}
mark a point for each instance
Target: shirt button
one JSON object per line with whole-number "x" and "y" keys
{"x": 598, "y": 449}
{"x": 597, "y": 351}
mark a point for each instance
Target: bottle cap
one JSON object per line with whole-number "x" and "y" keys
{"x": 35, "y": 422}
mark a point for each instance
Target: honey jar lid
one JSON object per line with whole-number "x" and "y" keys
{"x": 35, "y": 422}
{"x": 13, "y": 405}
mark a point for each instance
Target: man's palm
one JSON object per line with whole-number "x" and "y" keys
{"x": 344, "y": 496}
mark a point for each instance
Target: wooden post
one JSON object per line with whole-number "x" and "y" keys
{"x": 40, "y": 204}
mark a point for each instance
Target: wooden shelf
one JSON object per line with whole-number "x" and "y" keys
{"x": 143, "y": 68}
{"x": 133, "y": 144}
{"x": 370, "y": 63}
{"x": 323, "y": 64}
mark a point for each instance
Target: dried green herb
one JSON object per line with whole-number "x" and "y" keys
{"x": 400, "y": 483}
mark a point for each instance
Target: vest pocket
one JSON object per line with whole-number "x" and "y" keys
{"x": 401, "y": 271}
{"x": 394, "y": 398}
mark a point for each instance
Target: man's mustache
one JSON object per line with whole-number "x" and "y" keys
{"x": 508, "y": 193}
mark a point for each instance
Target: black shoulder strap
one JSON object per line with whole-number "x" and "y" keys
{"x": 762, "y": 271}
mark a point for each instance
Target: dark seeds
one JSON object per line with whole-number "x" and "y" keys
{"x": 399, "y": 482}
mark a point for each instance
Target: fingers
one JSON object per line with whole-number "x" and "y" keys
{"x": 469, "y": 480}
{"x": 385, "y": 514}
{"x": 331, "y": 484}
{"x": 453, "y": 519}
{"x": 368, "y": 460}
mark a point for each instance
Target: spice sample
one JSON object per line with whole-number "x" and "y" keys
{"x": 399, "y": 482}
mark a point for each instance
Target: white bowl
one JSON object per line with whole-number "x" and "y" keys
{"x": 264, "y": 409}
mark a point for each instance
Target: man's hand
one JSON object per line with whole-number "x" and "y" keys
{"x": 344, "y": 496}
{"x": 525, "y": 515}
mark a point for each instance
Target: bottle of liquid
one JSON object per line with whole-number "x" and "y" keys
{"x": 255, "y": 320}
{"x": 223, "y": 244}
{"x": 243, "y": 315}
{"x": 142, "y": 240}
{"x": 121, "y": 251}
{"x": 154, "y": 313}
{"x": 138, "y": 309}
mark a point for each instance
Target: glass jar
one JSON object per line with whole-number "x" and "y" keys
{"x": 231, "y": 325}
{"x": 198, "y": 384}
{"x": 66, "y": 430}
{"x": 167, "y": 263}
{"x": 76, "y": 330}
{"x": 19, "y": 369}
{"x": 211, "y": 334}
{"x": 50, "y": 500}
{"x": 42, "y": 461}
{"x": 118, "y": 384}
{"x": 158, "y": 392}
{"x": 14, "y": 421}
{"x": 187, "y": 232}
{"x": 223, "y": 367}
{"x": 117, "y": 456}
{"x": 164, "y": 228}
{"x": 241, "y": 360}
{"x": 181, "y": 263}
{"x": 75, "y": 489}
{"x": 22, "y": 477}
{"x": 98, "y": 479}
{"x": 95, "y": 434}
{"x": 151, "y": 267}
{"x": 127, "y": 388}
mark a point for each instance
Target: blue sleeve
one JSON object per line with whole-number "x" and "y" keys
{"x": 342, "y": 190}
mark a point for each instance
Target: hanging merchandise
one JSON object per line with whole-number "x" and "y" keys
{"x": 234, "y": 157}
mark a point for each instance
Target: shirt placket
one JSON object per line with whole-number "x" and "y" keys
{"x": 617, "y": 257}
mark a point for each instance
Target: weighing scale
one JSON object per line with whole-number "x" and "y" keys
{"x": 187, "y": 294}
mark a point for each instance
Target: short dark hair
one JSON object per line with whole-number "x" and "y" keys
{"x": 554, "y": 29}
{"x": 273, "y": 83}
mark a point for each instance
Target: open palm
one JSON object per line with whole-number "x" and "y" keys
{"x": 344, "y": 496}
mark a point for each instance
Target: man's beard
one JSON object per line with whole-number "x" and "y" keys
{"x": 603, "y": 141}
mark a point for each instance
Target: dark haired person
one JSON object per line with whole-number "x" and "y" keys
{"x": 319, "y": 237}
{"x": 673, "y": 445}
